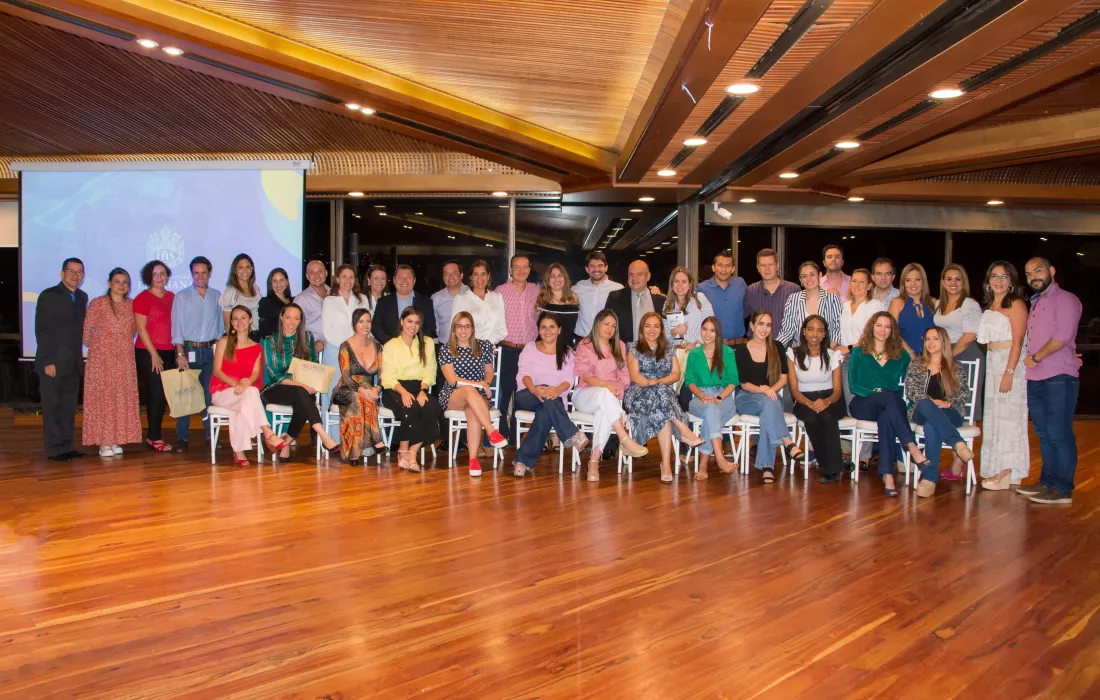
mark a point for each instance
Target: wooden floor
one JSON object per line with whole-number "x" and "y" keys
{"x": 153, "y": 576}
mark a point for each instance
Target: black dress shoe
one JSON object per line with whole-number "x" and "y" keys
{"x": 829, "y": 479}
{"x": 74, "y": 454}
{"x": 181, "y": 446}
{"x": 61, "y": 458}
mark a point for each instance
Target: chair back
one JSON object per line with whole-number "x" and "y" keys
{"x": 494, "y": 397}
{"x": 972, "y": 384}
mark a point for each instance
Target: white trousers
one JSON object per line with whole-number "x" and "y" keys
{"x": 605, "y": 408}
{"x": 248, "y": 415}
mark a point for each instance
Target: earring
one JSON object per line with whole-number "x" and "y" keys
{"x": 232, "y": 331}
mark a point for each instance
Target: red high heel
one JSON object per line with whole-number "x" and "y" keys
{"x": 243, "y": 463}
{"x": 279, "y": 446}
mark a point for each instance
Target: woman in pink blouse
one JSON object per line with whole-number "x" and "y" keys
{"x": 603, "y": 378}
{"x": 545, "y": 374}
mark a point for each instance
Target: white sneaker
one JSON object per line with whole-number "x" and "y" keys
{"x": 106, "y": 451}
{"x": 117, "y": 449}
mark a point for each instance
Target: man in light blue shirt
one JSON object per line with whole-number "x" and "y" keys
{"x": 726, "y": 294}
{"x": 196, "y": 326}
{"x": 444, "y": 299}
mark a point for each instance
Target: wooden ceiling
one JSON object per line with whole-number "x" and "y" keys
{"x": 596, "y": 96}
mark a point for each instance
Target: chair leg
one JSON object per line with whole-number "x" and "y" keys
{"x": 214, "y": 430}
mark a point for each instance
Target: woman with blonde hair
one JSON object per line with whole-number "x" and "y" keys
{"x": 684, "y": 310}
{"x": 483, "y": 304}
{"x": 556, "y": 296}
{"x": 936, "y": 389}
{"x": 959, "y": 315}
{"x": 913, "y": 308}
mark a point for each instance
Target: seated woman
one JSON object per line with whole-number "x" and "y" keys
{"x": 762, "y": 369}
{"x": 602, "y": 380}
{"x": 357, "y": 391}
{"x": 816, "y": 387}
{"x": 407, "y": 375}
{"x": 289, "y": 340}
{"x": 233, "y": 386}
{"x": 650, "y": 401}
{"x": 711, "y": 377}
{"x": 545, "y": 372}
{"x": 875, "y": 367}
{"x": 937, "y": 391}
{"x": 467, "y": 366}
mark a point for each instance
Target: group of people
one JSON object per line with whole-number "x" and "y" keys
{"x": 587, "y": 361}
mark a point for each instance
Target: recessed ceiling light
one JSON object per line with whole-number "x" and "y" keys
{"x": 742, "y": 89}
{"x": 855, "y": 199}
{"x": 673, "y": 237}
{"x": 788, "y": 176}
{"x": 498, "y": 193}
{"x": 408, "y": 227}
{"x": 352, "y": 106}
{"x": 357, "y": 216}
{"x": 635, "y": 211}
{"x": 666, "y": 172}
{"x": 451, "y": 237}
{"x": 845, "y": 145}
{"x": 994, "y": 202}
{"x": 488, "y": 245}
{"x": 379, "y": 206}
{"x": 946, "y": 94}
{"x": 355, "y": 194}
{"x": 420, "y": 213}
{"x": 173, "y": 51}
{"x": 748, "y": 200}
{"x": 1042, "y": 238}
{"x": 461, "y": 212}
{"x": 381, "y": 213}
{"x": 1081, "y": 255}
{"x": 148, "y": 43}
{"x": 695, "y": 141}
{"x": 367, "y": 110}
{"x": 645, "y": 199}
{"x": 502, "y": 206}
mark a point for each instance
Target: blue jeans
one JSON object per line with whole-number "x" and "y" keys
{"x": 886, "y": 408}
{"x": 714, "y": 415}
{"x": 1051, "y": 403}
{"x": 548, "y": 414}
{"x": 204, "y": 362}
{"x": 940, "y": 428}
{"x": 773, "y": 426}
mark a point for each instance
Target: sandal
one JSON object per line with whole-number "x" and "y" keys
{"x": 727, "y": 470}
{"x": 694, "y": 442}
{"x": 408, "y": 465}
{"x": 769, "y": 476}
{"x": 890, "y": 493}
{"x": 243, "y": 463}
{"x": 667, "y": 478}
{"x": 789, "y": 451}
{"x": 278, "y": 446}
{"x": 701, "y": 476}
{"x": 158, "y": 445}
{"x": 519, "y": 470}
{"x": 593, "y": 471}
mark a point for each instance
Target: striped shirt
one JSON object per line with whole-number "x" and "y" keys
{"x": 758, "y": 298}
{"x": 519, "y": 312}
{"x": 829, "y": 307}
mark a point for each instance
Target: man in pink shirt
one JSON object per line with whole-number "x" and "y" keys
{"x": 519, "y": 297}
{"x": 834, "y": 280}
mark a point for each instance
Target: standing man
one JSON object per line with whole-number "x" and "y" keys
{"x": 882, "y": 273}
{"x": 311, "y": 299}
{"x": 592, "y": 292}
{"x": 726, "y": 294}
{"x": 59, "y": 359}
{"x": 771, "y": 292}
{"x": 519, "y": 316}
{"x": 196, "y": 326}
{"x": 631, "y": 304}
{"x": 835, "y": 280}
{"x": 386, "y": 322}
{"x": 444, "y": 300}
{"x": 1052, "y": 381}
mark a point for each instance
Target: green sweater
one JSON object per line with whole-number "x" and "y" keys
{"x": 699, "y": 373}
{"x": 866, "y": 376}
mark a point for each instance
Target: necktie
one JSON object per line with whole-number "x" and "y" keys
{"x": 637, "y": 310}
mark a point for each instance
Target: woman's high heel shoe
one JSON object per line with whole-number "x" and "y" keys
{"x": 632, "y": 448}
{"x": 998, "y": 483}
{"x": 277, "y": 446}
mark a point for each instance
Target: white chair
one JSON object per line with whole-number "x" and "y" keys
{"x": 219, "y": 418}
{"x": 280, "y": 421}
{"x": 968, "y": 431}
{"x": 456, "y": 420}
{"x": 386, "y": 425}
{"x": 747, "y": 426}
{"x": 867, "y": 431}
{"x": 847, "y": 427}
{"x": 521, "y": 423}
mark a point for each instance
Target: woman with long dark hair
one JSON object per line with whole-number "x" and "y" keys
{"x": 375, "y": 282}
{"x": 357, "y": 392}
{"x": 959, "y": 315}
{"x": 271, "y": 306}
{"x": 483, "y": 304}
{"x": 111, "y": 413}
{"x": 815, "y": 384}
{"x": 241, "y": 290}
{"x": 337, "y": 311}
{"x": 711, "y": 377}
{"x": 407, "y": 376}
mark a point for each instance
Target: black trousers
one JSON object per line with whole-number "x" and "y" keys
{"x": 155, "y": 403}
{"x": 301, "y": 402}
{"x": 823, "y": 430}
{"x": 509, "y": 366}
{"x": 60, "y": 395}
{"x": 419, "y": 424}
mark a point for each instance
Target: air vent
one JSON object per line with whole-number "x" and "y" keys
{"x": 796, "y": 29}
{"x": 614, "y": 232}
{"x": 723, "y": 110}
{"x": 71, "y": 19}
{"x": 263, "y": 78}
{"x": 900, "y": 118}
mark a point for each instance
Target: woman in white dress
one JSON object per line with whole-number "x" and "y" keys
{"x": 858, "y": 308}
{"x": 483, "y": 304}
{"x": 336, "y": 325}
{"x": 958, "y": 314}
{"x": 1005, "y": 456}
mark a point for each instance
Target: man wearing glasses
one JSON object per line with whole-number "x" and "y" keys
{"x": 59, "y": 359}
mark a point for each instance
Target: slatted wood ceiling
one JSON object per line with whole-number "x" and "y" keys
{"x": 1075, "y": 95}
{"x": 569, "y": 65}
{"x": 1082, "y": 171}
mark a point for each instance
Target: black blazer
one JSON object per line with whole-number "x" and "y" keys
{"x": 269, "y": 310}
{"x": 59, "y": 329}
{"x": 619, "y": 302}
{"x": 386, "y": 324}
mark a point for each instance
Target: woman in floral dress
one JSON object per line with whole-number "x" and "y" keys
{"x": 357, "y": 392}
{"x": 111, "y": 417}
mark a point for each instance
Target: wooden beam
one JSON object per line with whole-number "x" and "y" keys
{"x": 694, "y": 63}
{"x": 429, "y": 183}
{"x": 1018, "y": 21}
{"x": 1080, "y": 62}
{"x": 874, "y": 31}
{"x": 978, "y": 193}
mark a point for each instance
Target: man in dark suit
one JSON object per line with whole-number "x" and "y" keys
{"x": 59, "y": 359}
{"x": 386, "y": 323}
{"x": 634, "y": 302}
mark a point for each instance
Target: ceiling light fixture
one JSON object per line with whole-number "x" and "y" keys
{"x": 645, "y": 199}
{"x": 352, "y": 106}
{"x": 946, "y": 94}
{"x": 635, "y": 211}
{"x": 367, "y": 110}
{"x": 502, "y": 206}
{"x": 173, "y": 51}
{"x": 846, "y": 145}
{"x": 994, "y": 202}
{"x": 1042, "y": 238}
{"x": 148, "y": 43}
{"x": 788, "y": 176}
{"x": 498, "y": 193}
{"x": 379, "y": 206}
{"x": 488, "y": 245}
{"x": 748, "y": 200}
{"x": 451, "y": 237}
{"x": 381, "y": 213}
{"x": 666, "y": 172}
{"x": 695, "y": 141}
{"x": 355, "y": 194}
{"x": 357, "y": 216}
{"x": 855, "y": 199}
{"x": 460, "y": 212}
{"x": 742, "y": 89}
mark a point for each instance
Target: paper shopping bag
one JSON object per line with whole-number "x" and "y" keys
{"x": 183, "y": 391}
{"x": 312, "y": 374}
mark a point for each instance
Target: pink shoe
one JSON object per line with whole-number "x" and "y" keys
{"x": 950, "y": 476}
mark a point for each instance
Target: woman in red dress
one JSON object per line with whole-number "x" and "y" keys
{"x": 111, "y": 413}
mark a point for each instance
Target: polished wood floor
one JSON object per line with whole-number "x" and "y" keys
{"x": 152, "y": 576}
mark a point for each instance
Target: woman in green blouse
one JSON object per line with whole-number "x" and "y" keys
{"x": 875, "y": 370}
{"x": 711, "y": 377}
{"x": 291, "y": 340}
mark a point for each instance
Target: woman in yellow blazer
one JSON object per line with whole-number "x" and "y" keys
{"x": 408, "y": 372}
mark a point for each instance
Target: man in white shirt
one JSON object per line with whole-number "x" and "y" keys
{"x": 835, "y": 280}
{"x": 592, "y": 292}
{"x": 444, "y": 299}
{"x": 882, "y": 274}
{"x": 312, "y": 298}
